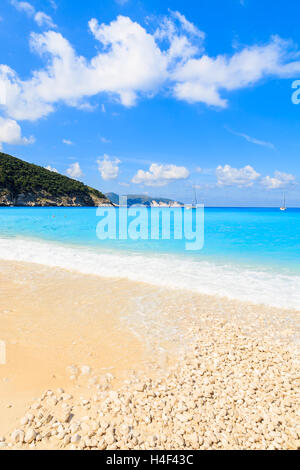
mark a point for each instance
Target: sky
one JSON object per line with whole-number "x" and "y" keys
{"x": 156, "y": 97}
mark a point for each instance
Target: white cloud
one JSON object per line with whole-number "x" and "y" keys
{"x": 84, "y": 106}
{"x": 108, "y": 167}
{"x": 133, "y": 62}
{"x": 187, "y": 25}
{"x": 160, "y": 175}
{"x": 183, "y": 37}
{"x": 67, "y": 142}
{"x": 26, "y": 7}
{"x": 10, "y": 133}
{"x": 203, "y": 79}
{"x": 279, "y": 180}
{"x": 74, "y": 171}
{"x": 50, "y": 168}
{"x": 252, "y": 140}
{"x": 228, "y": 176}
{"x": 44, "y": 20}
{"x": 39, "y": 17}
{"x": 247, "y": 176}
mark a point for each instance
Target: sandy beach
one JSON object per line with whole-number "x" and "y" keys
{"x": 149, "y": 227}
{"x": 109, "y": 363}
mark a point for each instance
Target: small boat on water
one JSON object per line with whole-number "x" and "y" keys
{"x": 283, "y": 207}
{"x": 195, "y": 202}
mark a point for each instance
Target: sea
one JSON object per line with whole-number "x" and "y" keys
{"x": 248, "y": 254}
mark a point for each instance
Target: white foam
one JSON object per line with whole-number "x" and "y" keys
{"x": 262, "y": 287}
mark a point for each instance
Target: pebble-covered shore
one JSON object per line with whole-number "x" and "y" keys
{"x": 229, "y": 391}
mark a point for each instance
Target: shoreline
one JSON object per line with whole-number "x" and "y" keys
{"x": 245, "y": 283}
{"x": 124, "y": 326}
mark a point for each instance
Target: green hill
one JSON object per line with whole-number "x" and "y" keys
{"x": 26, "y": 184}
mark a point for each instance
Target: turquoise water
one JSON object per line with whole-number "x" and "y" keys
{"x": 238, "y": 243}
{"x": 265, "y": 237}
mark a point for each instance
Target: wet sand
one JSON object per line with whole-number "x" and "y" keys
{"x": 52, "y": 319}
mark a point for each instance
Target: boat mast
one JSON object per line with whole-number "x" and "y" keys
{"x": 195, "y": 196}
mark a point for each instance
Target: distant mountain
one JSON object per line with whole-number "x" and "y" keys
{"x": 25, "y": 184}
{"x": 113, "y": 197}
{"x": 141, "y": 199}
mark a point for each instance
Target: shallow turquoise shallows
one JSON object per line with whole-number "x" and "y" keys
{"x": 255, "y": 247}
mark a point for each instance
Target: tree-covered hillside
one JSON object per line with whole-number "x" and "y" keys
{"x": 21, "y": 178}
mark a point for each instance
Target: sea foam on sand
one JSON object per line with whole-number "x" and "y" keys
{"x": 166, "y": 270}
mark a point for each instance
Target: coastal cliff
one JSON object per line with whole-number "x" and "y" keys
{"x": 25, "y": 184}
{"x": 144, "y": 199}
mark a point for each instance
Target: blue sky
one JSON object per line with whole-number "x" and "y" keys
{"x": 155, "y": 97}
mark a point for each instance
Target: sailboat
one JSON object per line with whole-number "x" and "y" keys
{"x": 283, "y": 207}
{"x": 194, "y": 203}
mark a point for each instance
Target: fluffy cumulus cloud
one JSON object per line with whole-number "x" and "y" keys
{"x": 10, "y": 133}
{"x": 247, "y": 176}
{"x": 134, "y": 62}
{"x": 228, "y": 176}
{"x": 279, "y": 180}
{"x": 51, "y": 168}
{"x": 160, "y": 175}
{"x": 74, "y": 171}
{"x": 108, "y": 167}
{"x": 204, "y": 78}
